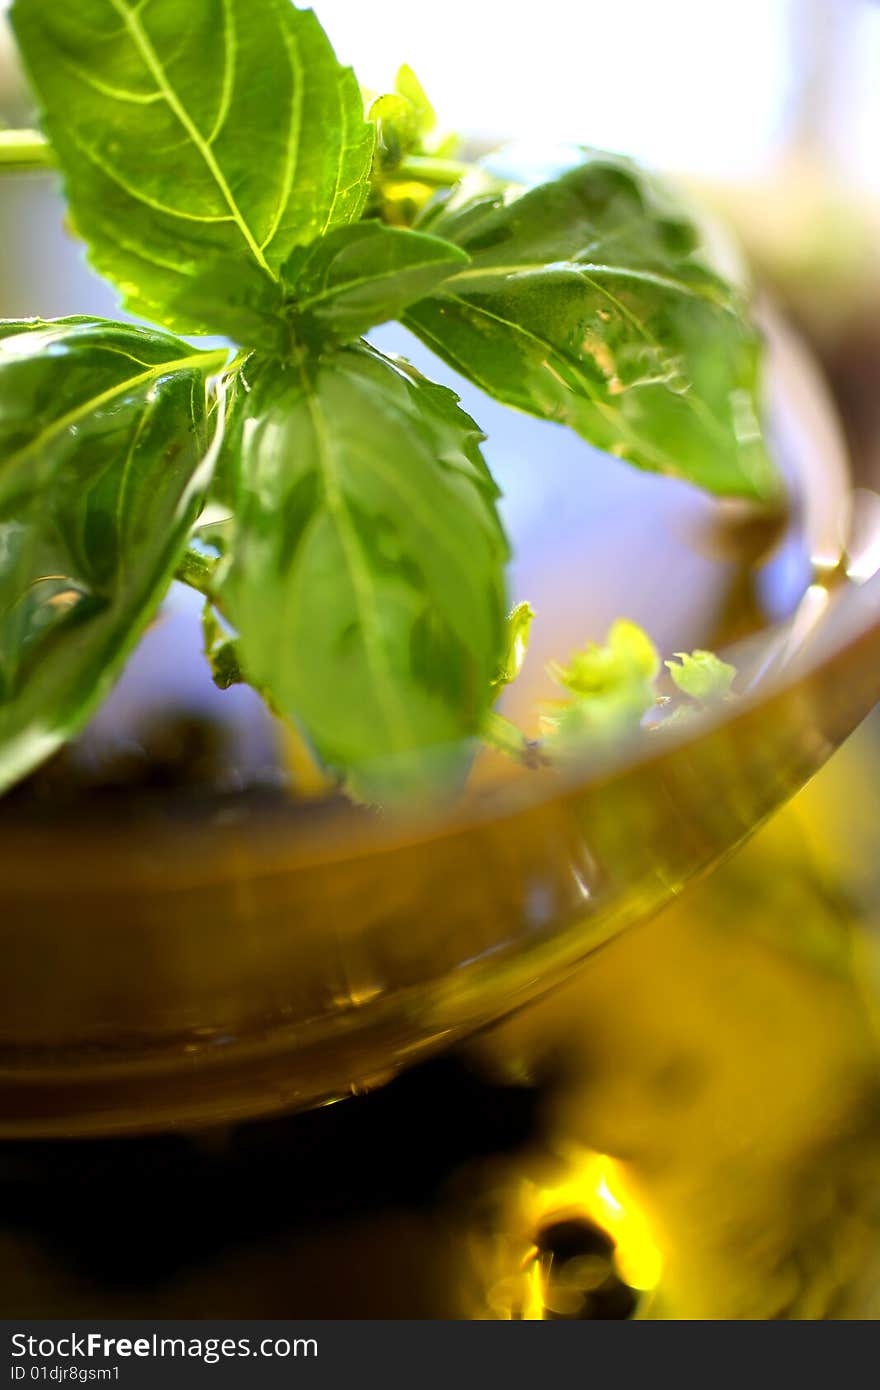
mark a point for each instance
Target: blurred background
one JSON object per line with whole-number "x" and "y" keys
{"x": 692, "y": 1128}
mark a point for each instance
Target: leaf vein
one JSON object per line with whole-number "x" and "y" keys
{"x": 164, "y": 208}
{"x": 151, "y": 59}
{"x": 200, "y": 361}
{"x": 393, "y": 710}
{"x": 230, "y": 50}
{"x": 291, "y": 153}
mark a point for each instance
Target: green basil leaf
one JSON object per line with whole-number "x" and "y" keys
{"x": 360, "y": 276}
{"x": 403, "y": 118}
{"x": 103, "y": 466}
{"x": 334, "y": 289}
{"x": 187, "y": 133}
{"x": 408, "y": 86}
{"x": 608, "y": 688}
{"x": 366, "y": 579}
{"x": 241, "y": 302}
{"x": 591, "y": 302}
{"x": 702, "y": 675}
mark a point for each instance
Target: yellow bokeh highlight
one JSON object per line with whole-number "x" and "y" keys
{"x": 596, "y": 1188}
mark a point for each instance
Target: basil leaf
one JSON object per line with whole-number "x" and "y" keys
{"x": 403, "y": 118}
{"x": 192, "y": 132}
{"x": 102, "y": 470}
{"x": 366, "y": 575}
{"x": 409, "y": 88}
{"x": 241, "y": 302}
{"x": 360, "y": 276}
{"x": 608, "y": 688}
{"x": 589, "y": 301}
{"x": 336, "y": 288}
{"x": 702, "y": 675}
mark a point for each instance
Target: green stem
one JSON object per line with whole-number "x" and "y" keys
{"x": 498, "y": 732}
{"x": 422, "y": 168}
{"x": 28, "y": 149}
{"x": 198, "y": 572}
{"x": 506, "y": 737}
{"x": 24, "y": 149}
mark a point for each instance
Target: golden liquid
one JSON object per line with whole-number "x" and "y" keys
{"x": 720, "y": 1112}
{"x": 709, "y": 1099}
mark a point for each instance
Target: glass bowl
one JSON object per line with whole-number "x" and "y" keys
{"x": 202, "y": 969}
